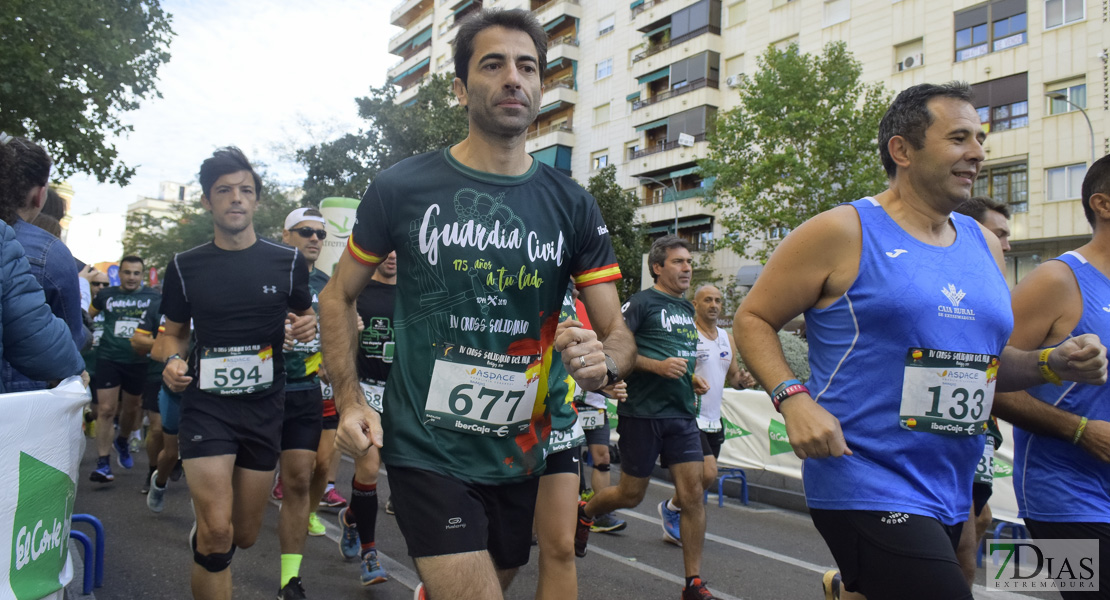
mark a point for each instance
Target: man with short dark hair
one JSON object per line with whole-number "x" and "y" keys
{"x": 486, "y": 237}
{"x": 990, "y": 213}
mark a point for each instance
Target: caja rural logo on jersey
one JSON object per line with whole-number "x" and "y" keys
{"x": 953, "y": 310}
{"x": 40, "y": 528}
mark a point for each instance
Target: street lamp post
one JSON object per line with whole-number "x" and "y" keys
{"x": 674, "y": 197}
{"x": 1064, "y": 97}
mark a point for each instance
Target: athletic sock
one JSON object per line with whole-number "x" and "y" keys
{"x": 331, "y": 486}
{"x": 364, "y": 508}
{"x": 121, "y": 441}
{"x": 690, "y": 580}
{"x": 672, "y": 507}
{"x": 290, "y": 567}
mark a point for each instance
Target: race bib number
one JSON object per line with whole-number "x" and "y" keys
{"x": 591, "y": 418}
{"x": 325, "y": 390}
{"x": 97, "y": 334}
{"x": 373, "y": 392}
{"x": 125, "y": 328}
{"x": 709, "y": 425}
{"x": 482, "y": 392}
{"x": 984, "y": 471}
{"x": 567, "y": 438}
{"x": 238, "y": 370}
{"x": 948, "y": 393}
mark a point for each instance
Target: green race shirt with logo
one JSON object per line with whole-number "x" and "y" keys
{"x": 483, "y": 262}
{"x": 90, "y": 354}
{"x": 123, "y": 313}
{"x": 303, "y": 361}
{"x": 664, "y": 328}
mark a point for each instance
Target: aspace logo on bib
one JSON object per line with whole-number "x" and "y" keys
{"x": 40, "y": 530}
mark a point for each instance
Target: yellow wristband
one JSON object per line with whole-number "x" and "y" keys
{"x": 1046, "y": 371}
{"x": 1079, "y": 430}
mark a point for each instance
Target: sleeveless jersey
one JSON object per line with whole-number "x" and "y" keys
{"x": 1054, "y": 480}
{"x": 714, "y": 359}
{"x": 913, "y": 309}
{"x": 664, "y": 327}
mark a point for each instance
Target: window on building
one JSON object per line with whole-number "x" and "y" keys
{"x": 601, "y": 113}
{"x": 606, "y": 25}
{"x": 909, "y": 55}
{"x": 1061, "y": 95}
{"x": 836, "y": 11}
{"x": 1002, "y": 103}
{"x": 783, "y": 44}
{"x": 1005, "y": 183}
{"x": 630, "y": 149}
{"x": 599, "y": 160}
{"x": 737, "y": 13}
{"x": 1062, "y": 12}
{"x": 734, "y": 70}
{"x": 1063, "y": 183}
{"x": 604, "y": 68}
{"x": 990, "y": 27}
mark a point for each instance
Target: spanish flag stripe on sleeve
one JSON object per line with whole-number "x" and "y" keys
{"x": 362, "y": 256}
{"x": 599, "y": 275}
{"x": 143, "y": 331}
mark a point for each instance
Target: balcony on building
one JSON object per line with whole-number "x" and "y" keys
{"x": 676, "y": 195}
{"x": 463, "y": 9}
{"x": 414, "y": 45}
{"x": 409, "y": 11}
{"x": 412, "y": 71}
{"x": 693, "y": 81}
{"x": 547, "y": 11}
{"x": 562, "y": 38}
{"x": 406, "y": 40}
{"x": 557, "y": 156}
{"x": 671, "y": 140}
{"x": 554, "y": 126}
{"x": 683, "y": 25}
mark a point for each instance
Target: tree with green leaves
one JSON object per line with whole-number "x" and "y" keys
{"x": 393, "y": 132}
{"x": 630, "y": 242}
{"x": 801, "y": 140}
{"x": 70, "y": 71}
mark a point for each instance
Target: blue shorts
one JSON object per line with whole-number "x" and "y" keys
{"x": 675, "y": 439}
{"x": 169, "y": 404}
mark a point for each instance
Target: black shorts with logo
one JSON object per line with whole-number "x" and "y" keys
{"x": 673, "y": 440}
{"x": 711, "y": 443}
{"x": 565, "y": 461}
{"x": 302, "y": 423}
{"x": 1052, "y": 530}
{"x": 894, "y": 556}
{"x": 250, "y": 428}
{"x": 441, "y": 515}
{"x": 130, "y": 376}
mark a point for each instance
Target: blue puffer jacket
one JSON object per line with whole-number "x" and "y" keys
{"x": 32, "y": 339}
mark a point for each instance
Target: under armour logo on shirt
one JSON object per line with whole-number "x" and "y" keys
{"x": 269, "y": 289}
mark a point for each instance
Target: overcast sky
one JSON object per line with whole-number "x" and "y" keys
{"x": 259, "y": 75}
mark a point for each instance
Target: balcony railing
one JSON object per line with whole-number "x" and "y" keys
{"x": 696, "y": 84}
{"x": 656, "y": 49}
{"x": 669, "y": 196}
{"x": 407, "y": 31}
{"x": 569, "y": 39}
{"x": 565, "y": 82}
{"x": 663, "y": 147}
{"x": 552, "y": 3}
{"x": 546, "y": 130}
{"x": 646, "y": 5}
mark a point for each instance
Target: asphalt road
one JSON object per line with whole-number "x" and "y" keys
{"x": 752, "y": 552}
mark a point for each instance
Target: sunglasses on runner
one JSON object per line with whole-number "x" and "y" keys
{"x": 306, "y": 232}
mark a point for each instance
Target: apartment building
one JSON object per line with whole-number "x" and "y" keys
{"x": 638, "y": 84}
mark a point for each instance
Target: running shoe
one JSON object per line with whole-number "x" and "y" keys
{"x": 103, "y": 472}
{"x": 830, "y": 584}
{"x": 177, "y": 471}
{"x": 315, "y": 527}
{"x": 371, "y": 571}
{"x": 276, "y": 493}
{"x": 607, "y": 523}
{"x": 156, "y": 497}
{"x": 123, "y": 455}
{"x": 348, "y": 539}
{"x": 389, "y": 507}
{"x": 582, "y": 531}
{"x": 418, "y": 593}
{"x": 146, "y": 484}
{"x": 332, "y": 499}
{"x": 671, "y": 532}
{"x": 292, "y": 590}
{"x": 586, "y": 495}
{"x": 697, "y": 591}
{"x": 135, "y": 443}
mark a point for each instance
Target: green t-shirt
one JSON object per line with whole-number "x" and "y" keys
{"x": 483, "y": 262}
{"x": 90, "y": 354}
{"x": 561, "y": 386}
{"x": 664, "y": 327}
{"x": 123, "y": 313}
{"x": 303, "y": 361}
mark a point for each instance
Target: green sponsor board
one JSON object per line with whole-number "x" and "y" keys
{"x": 40, "y": 530}
{"x": 732, "y": 430}
{"x": 1002, "y": 468}
{"x": 611, "y": 410}
{"x": 776, "y": 432}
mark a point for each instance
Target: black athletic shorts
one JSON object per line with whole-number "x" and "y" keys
{"x": 217, "y": 426}
{"x": 599, "y": 436}
{"x": 331, "y": 423}
{"x": 301, "y": 426}
{"x": 894, "y": 556}
{"x": 566, "y": 461}
{"x": 441, "y": 515}
{"x": 711, "y": 443}
{"x": 980, "y": 493}
{"x": 672, "y": 440}
{"x": 1049, "y": 530}
{"x": 150, "y": 395}
{"x": 130, "y": 376}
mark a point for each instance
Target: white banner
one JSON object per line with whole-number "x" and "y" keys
{"x": 40, "y": 450}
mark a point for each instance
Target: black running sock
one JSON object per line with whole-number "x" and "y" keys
{"x": 690, "y": 580}
{"x": 121, "y": 441}
{"x": 364, "y": 509}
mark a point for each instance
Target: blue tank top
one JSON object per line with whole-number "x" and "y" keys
{"x": 1054, "y": 480}
{"x": 908, "y": 295}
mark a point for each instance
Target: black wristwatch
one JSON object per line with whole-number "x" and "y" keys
{"x": 612, "y": 374}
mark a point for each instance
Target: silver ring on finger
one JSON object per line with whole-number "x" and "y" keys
{"x": 582, "y": 362}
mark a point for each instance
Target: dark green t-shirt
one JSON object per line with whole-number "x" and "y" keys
{"x": 561, "y": 386}
{"x": 483, "y": 262}
{"x": 303, "y": 361}
{"x": 664, "y": 327}
{"x": 90, "y": 354}
{"x": 123, "y": 313}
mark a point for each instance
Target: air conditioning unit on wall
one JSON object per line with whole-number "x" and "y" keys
{"x": 734, "y": 80}
{"x": 910, "y": 62}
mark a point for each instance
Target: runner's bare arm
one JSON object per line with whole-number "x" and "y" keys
{"x": 173, "y": 339}
{"x": 610, "y": 336}
{"x": 671, "y": 368}
{"x": 359, "y": 425}
{"x": 813, "y": 266}
{"x": 142, "y": 342}
{"x": 735, "y": 377}
{"x": 302, "y": 325}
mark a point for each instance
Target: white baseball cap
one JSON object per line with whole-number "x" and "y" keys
{"x": 298, "y": 216}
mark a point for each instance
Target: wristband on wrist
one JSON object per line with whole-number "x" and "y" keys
{"x": 1046, "y": 371}
{"x": 785, "y": 390}
{"x": 1079, "y": 430}
{"x": 173, "y": 356}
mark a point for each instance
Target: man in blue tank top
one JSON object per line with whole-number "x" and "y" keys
{"x": 1062, "y": 438}
{"x": 907, "y": 316}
